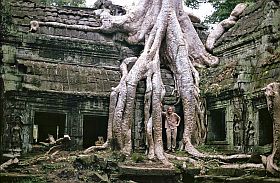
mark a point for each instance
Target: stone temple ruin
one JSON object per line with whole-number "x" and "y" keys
{"x": 237, "y": 113}
{"x": 56, "y": 79}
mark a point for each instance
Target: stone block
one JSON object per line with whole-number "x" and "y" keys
{"x": 232, "y": 172}
{"x": 76, "y": 17}
{"x": 48, "y": 13}
{"x": 12, "y": 77}
{"x": 51, "y": 9}
{"x": 19, "y": 13}
{"x": 82, "y": 35}
{"x": 168, "y": 76}
{"x": 50, "y": 30}
{"x": 9, "y": 53}
{"x": 71, "y": 21}
{"x": 10, "y": 85}
{"x": 74, "y": 33}
{"x": 63, "y": 16}
{"x": 50, "y": 19}
{"x": 80, "y": 22}
{"x": 93, "y": 24}
{"x": 59, "y": 32}
{"x": 210, "y": 179}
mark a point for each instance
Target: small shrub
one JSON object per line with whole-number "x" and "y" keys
{"x": 137, "y": 158}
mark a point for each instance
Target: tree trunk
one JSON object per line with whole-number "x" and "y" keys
{"x": 171, "y": 40}
{"x": 162, "y": 29}
{"x": 273, "y": 102}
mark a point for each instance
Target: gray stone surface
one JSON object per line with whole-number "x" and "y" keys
{"x": 249, "y": 60}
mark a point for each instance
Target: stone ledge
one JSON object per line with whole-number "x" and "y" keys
{"x": 146, "y": 171}
{"x": 15, "y": 177}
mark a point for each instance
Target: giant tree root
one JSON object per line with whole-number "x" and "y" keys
{"x": 60, "y": 144}
{"x": 185, "y": 159}
{"x": 243, "y": 166}
{"x": 170, "y": 40}
{"x": 8, "y": 163}
{"x": 224, "y": 25}
{"x": 273, "y": 101}
{"x": 96, "y": 148}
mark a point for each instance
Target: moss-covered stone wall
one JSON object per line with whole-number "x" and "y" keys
{"x": 63, "y": 69}
{"x": 55, "y": 69}
{"x": 249, "y": 60}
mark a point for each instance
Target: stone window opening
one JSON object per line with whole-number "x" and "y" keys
{"x": 94, "y": 130}
{"x": 46, "y": 123}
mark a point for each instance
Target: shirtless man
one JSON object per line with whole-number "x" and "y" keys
{"x": 172, "y": 121}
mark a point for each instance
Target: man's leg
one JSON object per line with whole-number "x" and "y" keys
{"x": 174, "y": 136}
{"x": 168, "y": 138}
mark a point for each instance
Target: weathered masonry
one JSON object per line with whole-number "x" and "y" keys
{"x": 237, "y": 113}
{"x": 56, "y": 80}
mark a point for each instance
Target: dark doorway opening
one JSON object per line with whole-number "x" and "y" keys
{"x": 217, "y": 125}
{"x": 94, "y": 127}
{"x": 265, "y": 127}
{"x": 49, "y": 123}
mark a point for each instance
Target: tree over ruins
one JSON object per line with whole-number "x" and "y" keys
{"x": 223, "y": 9}
{"x": 272, "y": 92}
{"x": 169, "y": 39}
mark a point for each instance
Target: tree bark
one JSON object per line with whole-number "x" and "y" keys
{"x": 224, "y": 25}
{"x": 170, "y": 39}
{"x": 273, "y": 103}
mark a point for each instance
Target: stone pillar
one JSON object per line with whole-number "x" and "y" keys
{"x": 138, "y": 130}
{"x": 75, "y": 127}
{"x": 230, "y": 125}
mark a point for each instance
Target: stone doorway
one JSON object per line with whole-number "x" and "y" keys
{"x": 217, "y": 125}
{"x": 49, "y": 123}
{"x": 265, "y": 127}
{"x": 94, "y": 127}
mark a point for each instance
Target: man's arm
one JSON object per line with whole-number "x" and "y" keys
{"x": 178, "y": 119}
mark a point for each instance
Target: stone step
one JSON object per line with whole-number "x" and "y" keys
{"x": 15, "y": 150}
{"x": 16, "y": 177}
{"x": 148, "y": 174}
{"x": 146, "y": 171}
{"x": 11, "y": 155}
{"x": 252, "y": 179}
{"x": 236, "y": 172}
{"x": 209, "y": 179}
{"x": 227, "y": 179}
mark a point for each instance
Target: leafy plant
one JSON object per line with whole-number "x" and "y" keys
{"x": 137, "y": 158}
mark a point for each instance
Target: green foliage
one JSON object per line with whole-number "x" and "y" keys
{"x": 117, "y": 156}
{"x": 137, "y": 158}
{"x": 76, "y": 3}
{"x": 223, "y": 9}
{"x": 53, "y": 166}
{"x": 194, "y": 3}
{"x": 5, "y": 18}
{"x": 33, "y": 180}
{"x": 207, "y": 148}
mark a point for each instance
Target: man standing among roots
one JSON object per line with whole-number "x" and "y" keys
{"x": 172, "y": 121}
